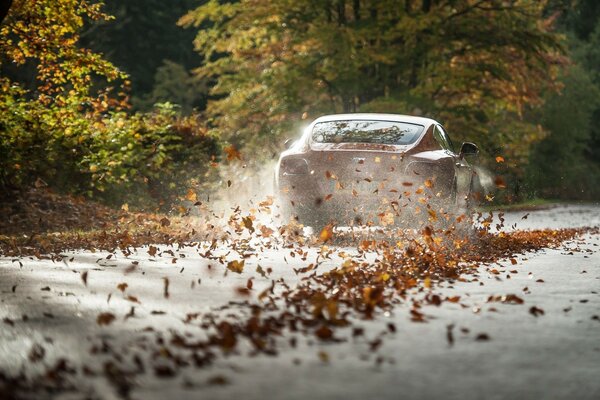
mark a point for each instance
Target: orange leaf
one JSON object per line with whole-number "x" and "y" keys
{"x": 232, "y": 153}
{"x": 326, "y": 233}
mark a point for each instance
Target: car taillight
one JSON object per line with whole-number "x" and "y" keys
{"x": 294, "y": 166}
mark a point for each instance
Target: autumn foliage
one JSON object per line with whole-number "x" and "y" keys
{"x": 64, "y": 118}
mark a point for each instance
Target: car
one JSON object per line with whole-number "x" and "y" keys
{"x": 375, "y": 169}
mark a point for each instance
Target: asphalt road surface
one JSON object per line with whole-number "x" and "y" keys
{"x": 551, "y": 356}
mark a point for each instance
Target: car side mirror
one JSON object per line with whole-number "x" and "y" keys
{"x": 288, "y": 143}
{"x": 468, "y": 149}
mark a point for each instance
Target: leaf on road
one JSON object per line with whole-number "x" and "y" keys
{"x": 166, "y": 287}
{"x": 105, "y": 318}
{"x": 535, "y": 311}
{"x": 482, "y": 337}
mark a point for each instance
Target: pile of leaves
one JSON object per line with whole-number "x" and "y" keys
{"x": 41, "y": 222}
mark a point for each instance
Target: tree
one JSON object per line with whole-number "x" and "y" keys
{"x": 565, "y": 164}
{"x": 62, "y": 122}
{"x": 476, "y": 65}
{"x": 142, "y": 39}
{"x": 558, "y": 165}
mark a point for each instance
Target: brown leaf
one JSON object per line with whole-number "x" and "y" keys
{"x": 84, "y": 277}
{"x": 122, "y": 286}
{"x": 247, "y": 221}
{"x": 482, "y": 337}
{"x": 164, "y": 371}
{"x": 36, "y": 353}
{"x": 133, "y": 299}
{"x": 324, "y": 333}
{"x": 507, "y": 299}
{"x": 449, "y": 334}
{"x": 165, "y": 222}
{"x": 535, "y": 311}
{"x": 166, "y": 287}
{"x": 232, "y": 153}
{"x": 500, "y": 182}
{"x": 105, "y": 318}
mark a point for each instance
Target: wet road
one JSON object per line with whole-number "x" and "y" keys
{"x": 553, "y": 356}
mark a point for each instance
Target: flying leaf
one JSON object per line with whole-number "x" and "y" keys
{"x": 236, "y": 266}
{"x": 232, "y": 153}
{"x": 326, "y": 233}
{"x": 105, "y": 318}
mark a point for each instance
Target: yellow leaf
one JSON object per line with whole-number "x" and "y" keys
{"x": 191, "y": 195}
{"x": 326, "y": 233}
{"x": 236, "y": 266}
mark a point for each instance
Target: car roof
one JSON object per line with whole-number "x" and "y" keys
{"x": 377, "y": 117}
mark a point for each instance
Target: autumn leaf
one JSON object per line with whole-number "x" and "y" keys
{"x": 323, "y": 356}
{"x": 535, "y": 311}
{"x": 247, "y": 221}
{"x": 105, "y": 318}
{"x": 500, "y": 182}
{"x": 191, "y": 195}
{"x": 36, "y": 353}
{"x": 122, "y": 286}
{"x": 265, "y": 231}
{"x": 232, "y": 153}
{"x": 324, "y": 333}
{"x": 236, "y": 266}
{"x": 164, "y": 222}
{"x": 326, "y": 233}
{"x": 482, "y": 337}
{"x": 499, "y": 159}
{"x": 166, "y": 287}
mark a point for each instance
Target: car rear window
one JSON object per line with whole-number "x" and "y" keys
{"x": 366, "y": 131}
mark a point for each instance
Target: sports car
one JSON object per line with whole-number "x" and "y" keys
{"x": 372, "y": 169}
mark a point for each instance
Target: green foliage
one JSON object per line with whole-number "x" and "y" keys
{"x": 475, "y": 65}
{"x": 175, "y": 84}
{"x": 140, "y": 159}
{"x": 559, "y": 168}
{"x": 69, "y": 131}
{"x": 157, "y": 155}
{"x": 44, "y": 33}
{"x": 566, "y": 163}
